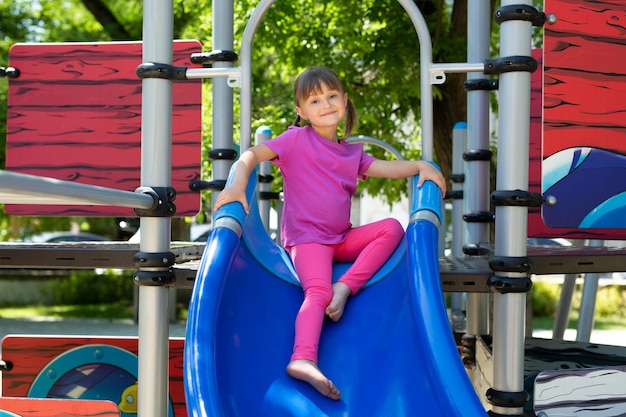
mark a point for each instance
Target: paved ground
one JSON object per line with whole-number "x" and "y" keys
{"x": 89, "y": 327}
{"x": 602, "y": 337}
{"x": 128, "y": 328}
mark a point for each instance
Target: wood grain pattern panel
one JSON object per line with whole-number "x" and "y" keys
{"x": 75, "y": 114}
{"x": 583, "y": 95}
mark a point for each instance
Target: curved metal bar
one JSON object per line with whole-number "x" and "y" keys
{"x": 246, "y": 73}
{"x": 381, "y": 144}
{"x": 426, "y": 60}
{"x": 425, "y": 66}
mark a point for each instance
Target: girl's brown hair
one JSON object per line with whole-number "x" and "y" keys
{"x": 310, "y": 81}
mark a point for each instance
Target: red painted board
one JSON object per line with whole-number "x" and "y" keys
{"x": 74, "y": 114}
{"x": 39, "y": 407}
{"x": 534, "y": 164}
{"x": 578, "y": 123}
{"x": 584, "y": 75}
{"x": 85, "y": 368}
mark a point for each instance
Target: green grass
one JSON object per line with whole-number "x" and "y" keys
{"x": 93, "y": 311}
{"x": 125, "y": 311}
{"x": 599, "y": 323}
{"x": 102, "y": 311}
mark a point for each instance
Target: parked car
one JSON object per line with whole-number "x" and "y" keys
{"x": 56, "y": 237}
{"x": 197, "y": 233}
{"x": 200, "y": 233}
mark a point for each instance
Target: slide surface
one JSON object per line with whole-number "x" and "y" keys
{"x": 391, "y": 354}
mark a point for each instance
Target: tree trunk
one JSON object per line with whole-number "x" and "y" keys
{"x": 109, "y": 22}
{"x": 452, "y": 107}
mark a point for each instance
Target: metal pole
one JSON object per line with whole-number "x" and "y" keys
{"x": 156, "y": 167}
{"x": 262, "y": 134}
{"x": 459, "y": 67}
{"x": 384, "y": 145}
{"x": 223, "y": 39}
{"x": 426, "y": 88}
{"x": 459, "y": 143}
{"x": 459, "y": 139}
{"x": 564, "y": 307}
{"x": 588, "y": 302}
{"x": 31, "y": 189}
{"x": 213, "y": 72}
{"x": 477, "y": 184}
{"x": 246, "y": 72}
{"x": 511, "y": 222}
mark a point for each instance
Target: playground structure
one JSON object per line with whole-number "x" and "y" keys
{"x": 509, "y": 265}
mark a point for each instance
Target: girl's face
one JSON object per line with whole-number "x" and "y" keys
{"x": 324, "y": 109}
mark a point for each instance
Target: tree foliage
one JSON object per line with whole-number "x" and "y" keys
{"x": 371, "y": 44}
{"x": 374, "y": 48}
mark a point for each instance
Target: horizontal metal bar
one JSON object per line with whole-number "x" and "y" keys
{"x": 18, "y": 188}
{"x": 458, "y": 67}
{"x": 196, "y": 73}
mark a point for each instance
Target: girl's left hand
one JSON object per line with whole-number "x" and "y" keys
{"x": 429, "y": 172}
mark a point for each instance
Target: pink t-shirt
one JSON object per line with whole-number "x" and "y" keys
{"x": 319, "y": 179}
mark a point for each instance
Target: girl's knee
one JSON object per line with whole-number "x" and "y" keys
{"x": 393, "y": 229}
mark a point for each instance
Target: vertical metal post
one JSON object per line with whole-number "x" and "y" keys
{"x": 222, "y": 94}
{"x": 477, "y": 184}
{"x": 564, "y": 307}
{"x": 588, "y": 302}
{"x": 156, "y": 167}
{"x": 511, "y": 222}
{"x": 459, "y": 141}
{"x": 262, "y": 134}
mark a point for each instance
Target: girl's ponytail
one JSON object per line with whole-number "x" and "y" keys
{"x": 351, "y": 118}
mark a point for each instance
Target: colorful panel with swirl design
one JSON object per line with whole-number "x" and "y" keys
{"x": 583, "y": 147}
{"x": 77, "y": 368}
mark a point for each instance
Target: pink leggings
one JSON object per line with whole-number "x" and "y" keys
{"x": 369, "y": 246}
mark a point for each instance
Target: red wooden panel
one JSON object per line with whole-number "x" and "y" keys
{"x": 74, "y": 113}
{"x": 33, "y": 357}
{"x": 577, "y": 105}
{"x": 585, "y": 75}
{"x": 38, "y": 407}
{"x": 534, "y": 164}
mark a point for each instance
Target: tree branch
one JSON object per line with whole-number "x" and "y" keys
{"x": 109, "y": 22}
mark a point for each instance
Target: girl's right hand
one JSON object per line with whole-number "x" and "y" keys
{"x": 236, "y": 191}
{"x": 230, "y": 194}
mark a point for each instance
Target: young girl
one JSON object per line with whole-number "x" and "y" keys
{"x": 320, "y": 172}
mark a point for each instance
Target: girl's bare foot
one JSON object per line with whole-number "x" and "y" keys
{"x": 341, "y": 292}
{"x": 308, "y": 371}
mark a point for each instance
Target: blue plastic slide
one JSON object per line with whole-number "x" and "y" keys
{"x": 392, "y": 354}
